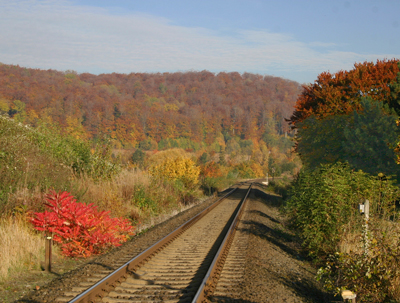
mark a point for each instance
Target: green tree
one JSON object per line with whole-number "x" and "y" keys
{"x": 370, "y": 138}
{"x": 246, "y": 148}
{"x": 274, "y": 168}
{"x": 162, "y": 88}
{"x": 164, "y": 144}
{"x": 394, "y": 101}
{"x": 148, "y": 144}
{"x": 363, "y": 138}
{"x": 320, "y": 141}
{"x": 138, "y": 157}
{"x": 18, "y": 111}
{"x": 204, "y": 158}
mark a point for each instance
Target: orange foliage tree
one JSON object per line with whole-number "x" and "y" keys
{"x": 341, "y": 93}
{"x": 210, "y": 170}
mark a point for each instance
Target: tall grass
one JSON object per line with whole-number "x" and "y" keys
{"x": 134, "y": 194}
{"x": 21, "y": 248}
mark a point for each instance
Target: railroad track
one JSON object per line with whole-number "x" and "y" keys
{"x": 191, "y": 264}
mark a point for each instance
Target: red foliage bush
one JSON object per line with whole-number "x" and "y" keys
{"x": 80, "y": 229}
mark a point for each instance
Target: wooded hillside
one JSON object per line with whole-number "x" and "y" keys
{"x": 143, "y": 109}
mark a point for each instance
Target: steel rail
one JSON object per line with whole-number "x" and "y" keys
{"x": 210, "y": 279}
{"x": 110, "y": 281}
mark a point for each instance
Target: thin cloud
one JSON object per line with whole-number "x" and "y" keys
{"x": 58, "y": 35}
{"x": 322, "y": 44}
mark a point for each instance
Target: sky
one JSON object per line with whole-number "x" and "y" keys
{"x": 293, "y": 39}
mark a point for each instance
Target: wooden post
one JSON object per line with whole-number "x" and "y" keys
{"x": 47, "y": 262}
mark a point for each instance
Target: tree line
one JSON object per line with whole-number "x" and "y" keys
{"x": 185, "y": 109}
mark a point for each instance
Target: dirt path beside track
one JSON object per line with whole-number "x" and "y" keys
{"x": 275, "y": 270}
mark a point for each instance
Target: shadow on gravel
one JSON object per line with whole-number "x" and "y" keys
{"x": 228, "y": 299}
{"x": 257, "y": 212}
{"x": 102, "y": 265}
{"x": 274, "y": 236}
{"x": 307, "y": 290}
{"x": 271, "y": 200}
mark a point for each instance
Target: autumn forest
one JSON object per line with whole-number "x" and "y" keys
{"x": 182, "y": 109}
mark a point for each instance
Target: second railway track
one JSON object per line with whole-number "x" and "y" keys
{"x": 179, "y": 267}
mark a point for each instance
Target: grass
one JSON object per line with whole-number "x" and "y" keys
{"x": 21, "y": 248}
{"x": 133, "y": 194}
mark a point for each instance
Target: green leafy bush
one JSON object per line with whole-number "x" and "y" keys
{"x": 322, "y": 201}
{"x": 23, "y": 164}
{"x": 245, "y": 170}
{"x": 75, "y": 153}
{"x": 148, "y": 144}
{"x": 374, "y": 277}
{"x": 144, "y": 201}
{"x": 138, "y": 157}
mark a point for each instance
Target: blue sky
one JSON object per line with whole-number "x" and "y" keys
{"x": 294, "y": 39}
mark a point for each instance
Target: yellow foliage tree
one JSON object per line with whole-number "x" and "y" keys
{"x": 221, "y": 141}
{"x": 164, "y": 155}
{"x": 4, "y": 106}
{"x": 257, "y": 169}
{"x": 32, "y": 117}
{"x": 75, "y": 128}
{"x": 179, "y": 168}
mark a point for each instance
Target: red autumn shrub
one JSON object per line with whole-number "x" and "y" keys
{"x": 80, "y": 229}
{"x": 211, "y": 170}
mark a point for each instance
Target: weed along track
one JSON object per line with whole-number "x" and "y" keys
{"x": 182, "y": 267}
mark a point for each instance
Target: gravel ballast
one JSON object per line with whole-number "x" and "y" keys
{"x": 275, "y": 270}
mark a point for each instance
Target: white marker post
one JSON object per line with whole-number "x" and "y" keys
{"x": 364, "y": 209}
{"x": 266, "y": 182}
{"x": 349, "y": 295}
{"x": 366, "y": 219}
